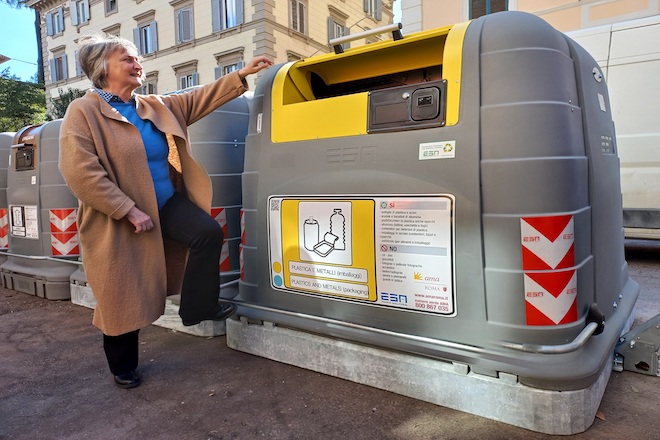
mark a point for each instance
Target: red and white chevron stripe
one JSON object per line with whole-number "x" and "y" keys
{"x": 63, "y": 220}
{"x": 225, "y": 262}
{"x": 551, "y": 297}
{"x": 4, "y": 228}
{"x": 548, "y": 245}
{"x": 64, "y": 232}
{"x": 242, "y": 227}
{"x": 547, "y": 242}
{"x": 220, "y": 215}
{"x": 240, "y": 263}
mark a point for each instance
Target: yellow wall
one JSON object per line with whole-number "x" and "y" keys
{"x": 441, "y": 13}
{"x": 614, "y": 9}
{"x": 565, "y": 15}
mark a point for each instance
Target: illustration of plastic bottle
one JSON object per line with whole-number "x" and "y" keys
{"x": 338, "y": 229}
{"x": 311, "y": 233}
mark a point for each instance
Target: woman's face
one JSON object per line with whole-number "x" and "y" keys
{"x": 123, "y": 70}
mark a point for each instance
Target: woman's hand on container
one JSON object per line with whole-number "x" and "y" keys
{"x": 140, "y": 220}
{"x": 255, "y": 65}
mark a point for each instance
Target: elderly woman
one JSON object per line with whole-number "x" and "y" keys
{"x": 143, "y": 220}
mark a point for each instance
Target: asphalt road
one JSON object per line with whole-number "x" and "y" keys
{"x": 54, "y": 384}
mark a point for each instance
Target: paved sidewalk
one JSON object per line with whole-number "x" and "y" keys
{"x": 54, "y": 384}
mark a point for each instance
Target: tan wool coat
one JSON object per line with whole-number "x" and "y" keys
{"x": 104, "y": 163}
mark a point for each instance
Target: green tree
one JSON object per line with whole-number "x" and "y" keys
{"x": 21, "y": 103}
{"x": 60, "y": 104}
{"x": 15, "y": 3}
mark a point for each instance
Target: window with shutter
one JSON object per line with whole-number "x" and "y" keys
{"x": 50, "y": 27}
{"x": 58, "y": 68}
{"x": 479, "y": 8}
{"x": 233, "y": 67}
{"x": 153, "y": 37}
{"x": 53, "y": 72}
{"x": 374, "y": 8}
{"x": 229, "y": 62}
{"x": 298, "y": 15}
{"x": 73, "y": 12}
{"x": 148, "y": 88}
{"x": 336, "y": 30}
{"x": 79, "y": 70}
{"x": 55, "y": 22}
{"x": 188, "y": 80}
{"x": 146, "y": 38}
{"x": 184, "y": 25}
{"x": 226, "y": 14}
{"x": 79, "y": 12}
{"x": 59, "y": 16}
{"x": 186, "y": 74}
{"x": 110, "y": 6}
{"x": 149, "y": 84}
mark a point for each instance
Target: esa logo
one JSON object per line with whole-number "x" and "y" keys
{"x": 395, "y": 298}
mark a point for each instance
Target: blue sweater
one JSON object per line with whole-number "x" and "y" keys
{"x": 157, "y": 150}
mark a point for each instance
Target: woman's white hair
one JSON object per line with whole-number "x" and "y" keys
{"x": 93, "y": 54}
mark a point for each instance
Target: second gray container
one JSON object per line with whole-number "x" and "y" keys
{"x": 43, "y": 237}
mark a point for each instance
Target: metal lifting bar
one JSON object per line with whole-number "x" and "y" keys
{"x": 578, "y": 342}
{"x": 590, "y": 329}
{"x": 395, "y": 28}
{"x": 595, "y": 326}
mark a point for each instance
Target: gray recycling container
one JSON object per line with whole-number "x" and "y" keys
{"x": 43, "y": 237}
{"x": 452, "y": 194}
{"x": 6, "y": 140}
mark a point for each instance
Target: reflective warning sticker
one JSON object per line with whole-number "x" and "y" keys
{"x": 225, "y": 262}
{"x": 547, "y": 242}
{"x": 548, "y": 259}
{"x": 63, "y": 220}
{"x": 65, "y": 243}
{"x": 551, "y": 297}
{"x": 241, "y": 265}
{"x": 220, "y": 215}
{"x": 242, "y": 226}
{"x": 64, "y": 232}
{"x": 4, "y": 229}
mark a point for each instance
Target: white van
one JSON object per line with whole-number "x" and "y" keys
{"x": 629, "y": 55}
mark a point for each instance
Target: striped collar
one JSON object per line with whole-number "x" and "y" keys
{"x": 109, "y": 97}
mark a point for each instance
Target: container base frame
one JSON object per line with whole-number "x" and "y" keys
{"x": 34, "y": 285}
{"x": 447, "y": 384}
{"x": 82, "y": 295}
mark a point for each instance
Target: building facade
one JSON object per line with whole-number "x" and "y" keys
{"x": 189, "y": 42}
{"x": 564, "y": 15}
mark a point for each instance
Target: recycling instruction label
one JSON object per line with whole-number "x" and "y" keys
{"x": 24, "y": 221}
{"x": 386, "y": 251}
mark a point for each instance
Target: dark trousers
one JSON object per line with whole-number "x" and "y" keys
{"x": 182, "y": 221}
{"x": 122, "y": 352}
